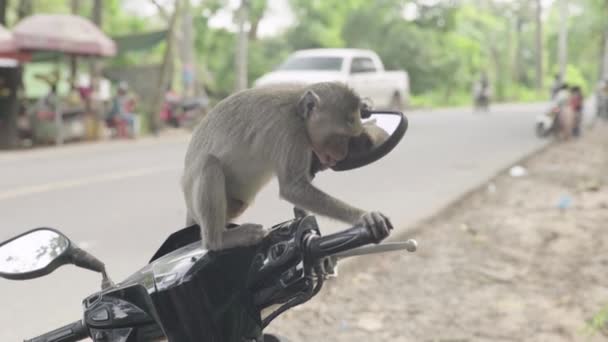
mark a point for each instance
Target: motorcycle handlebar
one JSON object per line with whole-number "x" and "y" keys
{"x": 320, "y": 247}
{"x": 72, "y": 332}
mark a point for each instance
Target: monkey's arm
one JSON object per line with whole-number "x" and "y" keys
{"x": 305, "y": 195}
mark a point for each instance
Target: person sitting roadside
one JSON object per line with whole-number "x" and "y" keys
{"x": 576, "y": 104}
{"x": 122, "y": 115}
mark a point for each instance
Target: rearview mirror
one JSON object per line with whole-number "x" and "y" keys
{"x": 33, "y": 254}
{"x": 382, "y": 131}
{"x": 40, "y": 251}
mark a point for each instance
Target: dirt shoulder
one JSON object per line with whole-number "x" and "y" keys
{"x": 524, "y": 259}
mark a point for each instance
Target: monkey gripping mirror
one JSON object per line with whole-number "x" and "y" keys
{"x": 382, "y": 131}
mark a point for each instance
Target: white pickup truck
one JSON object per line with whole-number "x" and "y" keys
{"x": 360, "y": 69}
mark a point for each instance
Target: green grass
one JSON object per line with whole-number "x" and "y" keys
{"x": 437, "y": 99}
{"x": 598, "y": 323}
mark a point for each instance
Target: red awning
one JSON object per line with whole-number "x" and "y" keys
{"x": 64, "y": 33}
{"x": 9, "y": 49}
{"x": 7, "y": 41}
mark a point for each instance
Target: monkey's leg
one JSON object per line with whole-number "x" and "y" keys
{"x": 209, "y": 202}
{"x": 210, "y": 207}
{"x": 245, "y": 234}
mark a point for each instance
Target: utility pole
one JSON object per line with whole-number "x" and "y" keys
{"x": 563, "y": 38}
{"x": 241, "y": 48}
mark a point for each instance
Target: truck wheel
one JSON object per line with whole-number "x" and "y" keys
{"x": 396, "y": 102}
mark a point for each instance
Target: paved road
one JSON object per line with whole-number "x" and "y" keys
{"x": 120, "y": 200}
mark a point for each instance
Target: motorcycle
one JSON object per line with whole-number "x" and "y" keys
{"x": 482, "y": 103}
{"x": 547, "y": 123}
{"x": 186, "y": 294}
{"x": 184, "y": 112}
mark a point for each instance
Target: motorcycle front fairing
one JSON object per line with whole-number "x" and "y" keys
{"x": 188, "y": 294}
{"x": 207, "y": 297}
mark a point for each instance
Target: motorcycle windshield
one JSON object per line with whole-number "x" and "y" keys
{"x": 199, "y": 295}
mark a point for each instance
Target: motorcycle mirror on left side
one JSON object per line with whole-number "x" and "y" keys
{"x": 39, "y": 252}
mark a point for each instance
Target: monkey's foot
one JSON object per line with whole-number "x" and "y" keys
{"x": 246, "y": 234}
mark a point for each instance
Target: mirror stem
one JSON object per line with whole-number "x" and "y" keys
{"x": 106, "y": 282}
{"x": 82, "y": 258}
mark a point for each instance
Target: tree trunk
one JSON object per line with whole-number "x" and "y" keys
{"x": 604, "y": 73}
{"x": 94, "y": 107}
{"x": 241, "y": 47}
{"x": 517, "y": 51}
{"x": 563, "y": 38}
{"x": 539, "y": 46}
{"x": 25, "y": 8}
{"x": 8, "y": 99}
{"x": 187, "y": 50}
{"x": 3, "y": 8}
{"x": 165, "y": 70}
{"x": 75, "y": 9}
{"x": 253, "y": 30}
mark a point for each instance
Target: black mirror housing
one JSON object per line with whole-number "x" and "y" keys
{"x": 70, "y": 255}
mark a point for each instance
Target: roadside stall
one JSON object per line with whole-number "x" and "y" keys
{"x": 63, "y": 36}
{"x": 13, "y": 126}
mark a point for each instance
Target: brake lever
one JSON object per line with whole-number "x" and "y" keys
{"x": 410, "y": 245}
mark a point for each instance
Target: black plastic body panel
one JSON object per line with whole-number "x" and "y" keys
{"x": 189, "y": 294}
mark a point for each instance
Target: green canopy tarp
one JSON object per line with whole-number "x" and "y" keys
{"x": 124, "y": 44}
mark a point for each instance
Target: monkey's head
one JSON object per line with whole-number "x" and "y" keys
{"x": 371, "y": 137}
{"x": 332, "y": 112}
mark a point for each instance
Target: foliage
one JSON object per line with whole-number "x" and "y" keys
{"x": 443, "y": 45}
{"x": 599, "y": 322}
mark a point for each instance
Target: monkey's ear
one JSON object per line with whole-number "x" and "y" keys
{"x": 307, "y": 103}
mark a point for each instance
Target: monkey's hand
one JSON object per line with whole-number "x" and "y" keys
{"x": 378, "y": 224}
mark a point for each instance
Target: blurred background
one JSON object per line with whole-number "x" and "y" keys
{"x": 186, "y": 55}
{"x": 121, "y": 84}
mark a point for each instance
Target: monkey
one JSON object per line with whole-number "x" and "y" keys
{"x": 258, "y": 133}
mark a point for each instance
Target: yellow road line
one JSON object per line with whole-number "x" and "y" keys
{"x": 72, "y": 183}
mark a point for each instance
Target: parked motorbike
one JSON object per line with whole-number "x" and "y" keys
{"x": 188, "y": 294}
{"x": 183, "y": 113}
{"x": 547, "y": 123}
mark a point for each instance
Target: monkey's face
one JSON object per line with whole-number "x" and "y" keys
{"x": 330, "y": 133}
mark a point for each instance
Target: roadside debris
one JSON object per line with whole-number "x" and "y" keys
{"x": 518, "y": 171}
{"x": 565, "y": 201}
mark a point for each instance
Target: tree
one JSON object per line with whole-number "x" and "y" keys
{"x": 3, "y": 8}
{"x": 563, "y": 38}
{"x": 256, "y": 13}
{"x": 604, "y": 63}
{"x": 241, "y": 46}
{"x": 10, "y": 82}
{"x": 166, "y": 68}
{"x": 539, "y": 46}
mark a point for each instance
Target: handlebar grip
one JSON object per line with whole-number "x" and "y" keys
{"x": 354, "y": 237}
{"x": 72, "y": 332}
